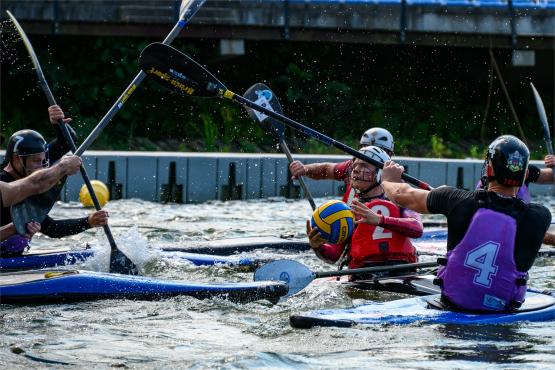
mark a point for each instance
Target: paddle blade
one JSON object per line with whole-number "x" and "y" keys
{"x": 296, "y": 275}
{"x": 542, "y": 114}
{"x": 35, "y": 208}
{"x": 121, "y": 264}
{"x": 189, "y": 8}
{"x": 263, "y": 96}
{"x": 177, "y": 72}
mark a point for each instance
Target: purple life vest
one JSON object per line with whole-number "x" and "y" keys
{"x": 523, "y": 192}
{"x": 480, "y": 273}
{"x": 13, "y": 246}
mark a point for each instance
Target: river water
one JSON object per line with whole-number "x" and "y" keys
{"x": 185, "y": 332}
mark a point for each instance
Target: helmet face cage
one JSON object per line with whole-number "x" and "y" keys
{"x": 25, "y": 143}
{"x": 509, "y": 158}
{"x": 377, "y": 154}
{"x": 379, "y": 137}
{"x": 362, "y": 172}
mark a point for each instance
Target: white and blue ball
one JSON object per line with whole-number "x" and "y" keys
{"x": 334, "y": 220}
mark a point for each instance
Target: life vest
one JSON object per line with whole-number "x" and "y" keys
{"x": 13, "y": 246}
{"x": 375, "y": 244}
{"x": 524, "y": 194}
{"x": 349, "y": 194}
{"x": 480, "y": 273}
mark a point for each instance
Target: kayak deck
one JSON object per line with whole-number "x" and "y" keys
{"x": 537, "y": 307}
{"x": 56, "y": 286}
{"x": 226, "y": 247}
{"x": 418, "y": 285}
{"x": 51, "y": 259}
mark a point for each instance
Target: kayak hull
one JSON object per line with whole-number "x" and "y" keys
{"x": 537, "y": 307}
{"x": 417, "y": 285}
{"x": 37, "y": 260}
{"x": 49, "y": 259}
{"x": 226, "y": 247}
{"x": 199, "y": 253}
{"x": 57, "y": 286}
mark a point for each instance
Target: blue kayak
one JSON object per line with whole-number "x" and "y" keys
{"x": 37, "y": 259}
{"x": 537, "y": 307}
{"x": 226, "y": 247}
{"x": 199, "y": 253}
{"x": 56, "y": 286}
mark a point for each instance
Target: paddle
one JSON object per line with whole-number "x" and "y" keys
{"x": 263, "y": 96}
{"x": 543, "y": 120}
{"x": 178, "y": 72}
{"x": 38, "y": 206}
{"x": 297, "y": 276}
{"x": 188, "y": 9}
{"x": 119, "y": 262}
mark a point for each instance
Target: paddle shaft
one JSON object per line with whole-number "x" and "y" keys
{"x": 73, "y": 148}
{"x": 87, "y": 181}
{"x": 129, "y": 266}
{"x": 367, "y": 270}
{"x": 132, "y": 86}
{"x": 69, "y": 140}
{"x": 275, "y": 127}
{"x": 319, "y": 136}
{"x": 543, "y": 120}
{"x": 308, "y": 195}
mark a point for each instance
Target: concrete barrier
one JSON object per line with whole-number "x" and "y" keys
{"x": 199, "y": 177}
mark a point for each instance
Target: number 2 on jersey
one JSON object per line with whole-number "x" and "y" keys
{"x": 379, "y": 232}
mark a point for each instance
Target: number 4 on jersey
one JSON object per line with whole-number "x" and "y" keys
{"x": 482, "y": 259}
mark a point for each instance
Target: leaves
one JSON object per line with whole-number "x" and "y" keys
{"x": 432, "y": 100}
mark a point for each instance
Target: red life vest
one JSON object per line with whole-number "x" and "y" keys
{"x": 375, "y": 244}
{"x": 349, "y": 194}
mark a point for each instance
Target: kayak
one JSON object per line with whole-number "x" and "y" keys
{"x": 56, "y": 286}
{"x": 205, "y": 252}
{"x": 537, "y": 307}
{"x": 37, "y": 259}
{"x": 413, "y": 284}
{"x": 226, "y": 247}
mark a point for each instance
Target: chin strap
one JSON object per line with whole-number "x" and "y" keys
{"x": 372, "y": 187}
{"x": 24, "y": 164}
{"x": 369, "y": 199}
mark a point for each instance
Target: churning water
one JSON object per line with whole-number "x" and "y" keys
{"x": 186, "y": 332}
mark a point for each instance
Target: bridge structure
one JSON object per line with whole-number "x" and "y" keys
{"x": 514, "y": 24}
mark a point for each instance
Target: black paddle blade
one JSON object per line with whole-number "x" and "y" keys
{"x": 35, "y": 208}
{"x": 177, "y": 72}
{"x": 121, "y": 264}
{"x": 263, "y": 96}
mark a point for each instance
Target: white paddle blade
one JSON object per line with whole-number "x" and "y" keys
{"x": 541, "y": 108}
{"x": 296, "y": 275}
{"x": 189, "y": 8}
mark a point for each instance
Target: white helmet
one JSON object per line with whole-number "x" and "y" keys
{"x": 379, "y": 137}
{"x": 379, "y": 155}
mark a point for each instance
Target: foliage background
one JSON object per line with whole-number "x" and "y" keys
{"x": 432, "y": 99}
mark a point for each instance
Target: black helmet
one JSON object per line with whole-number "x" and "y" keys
{"x": 509, "y": 158}
{"x": 25, "y": 143}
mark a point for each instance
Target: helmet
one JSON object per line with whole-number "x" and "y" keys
{"x": 379, "y": 155}
{"x": 25, "y": 143}
{"x": 379, "y": 137}
{"x": 509, "y": 158}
